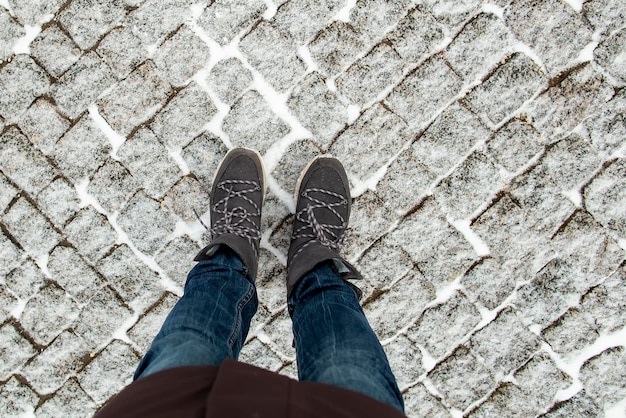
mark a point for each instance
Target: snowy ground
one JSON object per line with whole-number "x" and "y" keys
{"x": 486, "y": 146}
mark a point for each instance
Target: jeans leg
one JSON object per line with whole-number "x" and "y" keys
{"x": 211, "y": 320}
{"x": 334, "y": 341}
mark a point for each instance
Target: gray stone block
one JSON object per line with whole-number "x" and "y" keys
{"x": 604, "y": 377}
{"x": 176, "y": 258}
{"x": 418, "y": 401}
{"x": 274, "y": 210}
{"x": 513, "y": 145}
{"x": 369, "y": 220}
{"x": 549, "y": 294}
{"x": 537, "y": 194}
{"x": 109, "y": 372}
{"x": 279, "y": 330}
{"x": 229, "y": 79}
{"x": 25, "y": 280}
{"x": 562, "y": 107}
{"x": 87, "y": 22}
{"x": 53, "y": 366}
{"x": 492, "y": 280}
{"x": 272, "y": 55}
{"x": 252, "y": 123}
{"x": 11, "y": 31}
{"x": 609, "y": 54}
{"x": 10, "y": 255}
{"x": 371, "y": 75}
{"x": 507, "y": 230}
{"x": 54, "y": 50}
{"x": 272, "y": 292}
{"x": 95, "y": 328}
{"x": 146, "y": 222}
{"x": 605, "y": 195}
{"x": 135, "y": 99}
{"x": 137, "y": 284}
{"x": 7, "y": 192}
{"x": 70, "y": 401}
{"x": 318, "y": 109}
{"x": 540, "y": 380}
{"x": 505, "y": 344}
{"x": 48, "y": 313}
{"x": 295, "y": 159}
{"x": 578, "y": 405}
{"x": 59, "y": 201}
{"x": 112, "y": 186}
{"x": 374, "y": 18}
{"x": 406, "y": 182}
{"x": 335, "y": 47}
{"x": 122, "y": 50}
{"x": 400, "y": 305}
{"x": 82, "y": 150}
{"x": 443, "y": 326}
{"x": 301, "y": 20}
{"x": 606, "y": 128}
{"x": 440, "y": 251}
{"x": 82, "y": 84}
{"x": 424, "y": 92}
{"x": 180, "y": 56}
{"x": 593, "y": 254}
{"x": 43, "y": 125}
{"x": 558, "y": 40}
{"x": 15, "y": 349}
{"x": 203, "y": 156}
{"x": 26, "y": 166}
{"x": 606, "y": 303}
{"x": 571, "y": 161}
{"x": 153, "y": 20}
{"x": 384, "y": 263}
{"x": 461, "y": 378}
{"x": 16, "y": 398}
{"x": 30, "y": 228}
{"x": 605, "y": 15}
{"x": 144, "y": 331}
{"x": 417, "y": 35}
{"x": 373, "y": 139}
{"x": 33, "y": 13}
{"x": 186, "y": 195}
{"x": 9, "y": 303}
{"x": 184, "y": 116}
{"x": 223, "y": 19}
{"x": 405, "y": 360}
{"x": 258, "y": 354}
{"x": 91, "y": 234}
{"x": 571, "y": 333}
{"x": 452, "y": 13}
{"x": 482, "y": 43}
{"x": 149, "y": 163}
{"x": 68, "y": 269}
{"x": 506, "y": 401}
{"x": 472, "y": 184}
{"x": 506, "y": 89}
{"x": 21, "y": 81}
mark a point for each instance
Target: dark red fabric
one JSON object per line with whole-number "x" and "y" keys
{"x": 238, "y": 390}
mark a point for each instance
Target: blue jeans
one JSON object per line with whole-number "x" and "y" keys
{"x": 334, "y": 342}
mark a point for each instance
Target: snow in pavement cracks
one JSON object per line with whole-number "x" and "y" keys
{"x": 484, "y": 143}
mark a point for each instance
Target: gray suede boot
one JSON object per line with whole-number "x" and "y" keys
{"x": 322, "y": 213}
{"x": 236, "y": 199}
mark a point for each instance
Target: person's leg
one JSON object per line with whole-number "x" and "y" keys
{"x": 334, "y": 341}
{"x": 210, "y": 322}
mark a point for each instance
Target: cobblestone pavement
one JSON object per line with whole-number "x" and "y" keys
{"x": 486, "y": 146}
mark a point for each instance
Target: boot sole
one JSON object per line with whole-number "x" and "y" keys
{"x": 264, "y": 178}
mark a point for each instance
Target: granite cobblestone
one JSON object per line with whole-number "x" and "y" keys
{"x": 484, "y": 142}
